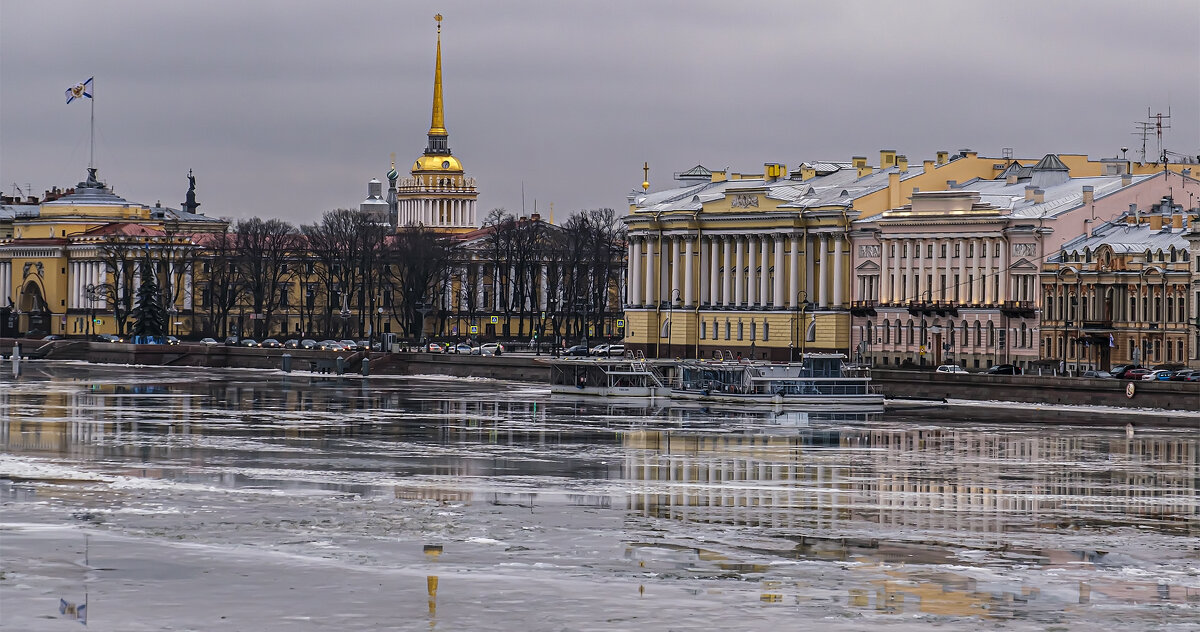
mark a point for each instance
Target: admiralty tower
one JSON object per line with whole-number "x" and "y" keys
{"x": 438, "y": 195}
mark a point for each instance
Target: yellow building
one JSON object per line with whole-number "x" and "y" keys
{"x": 758, "y": 264}
{"x": 73, "y": 261}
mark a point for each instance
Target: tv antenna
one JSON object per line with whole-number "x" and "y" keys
{"x": 1156, "y": 123}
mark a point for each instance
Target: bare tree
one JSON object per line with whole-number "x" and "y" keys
{"x": 264, "y": 247}
{"x": 225, "y": 287}
{"x": 415, "y": 259}
{"x": 120, "y": 257}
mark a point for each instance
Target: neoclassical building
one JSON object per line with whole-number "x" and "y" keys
{"x": 953, "y": 276}
{"x": 71, "y": 256}
{"x": 438, "y": 194}
{"x": 1122, "y": 292}
{"x": 759, "y": 264}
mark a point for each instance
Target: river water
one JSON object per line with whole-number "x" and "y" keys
{"x": 208, "y": 499}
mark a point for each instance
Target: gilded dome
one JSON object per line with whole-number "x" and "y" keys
{"x": 437, "y": 163}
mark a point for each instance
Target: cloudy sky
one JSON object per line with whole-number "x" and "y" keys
{"x": 287, "y": 108}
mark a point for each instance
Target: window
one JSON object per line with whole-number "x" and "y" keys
{"x": 665, "y": 332}
{"x": 887, "y": 331}
{"x": 910, "y": 332}
{"x": 991, "y": 334}
{"x": 753, "y": 330}
{"x": 978, "y": 334}
{"x": 741, "y": 330}
{"x": 727, "y": 329}
{"x": 702, "y": 324}
{"x": 929, "y": 251}
{"x": 716, "y": 331}
{"x": 943, "y": 251}
{"x": 971, "y": 249}
{"x": 956, "y": 249}
{"x": 766, "y": 331}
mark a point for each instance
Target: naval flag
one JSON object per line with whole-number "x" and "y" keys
{"x": 80, "y": 90}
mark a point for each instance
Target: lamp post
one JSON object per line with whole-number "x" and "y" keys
{"x": 172, "y": 312}
{"x": 91, "y": 291}
{"x": 376, "y": 333}
{"x": 582, "y": 307}
{"x": 424, "y": 308}
{"x": 801, "y": 307}
{"x": 551, "y": 302}
{"x": 671, "y": 321}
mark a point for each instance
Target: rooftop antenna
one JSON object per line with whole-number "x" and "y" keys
{"x": 1159, "y": 127}
{"x": 1142, "y": 128}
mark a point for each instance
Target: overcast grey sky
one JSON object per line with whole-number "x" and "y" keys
{"x": 287, "y": 108}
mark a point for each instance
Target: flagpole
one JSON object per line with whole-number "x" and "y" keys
{"x": 92, "y": 141}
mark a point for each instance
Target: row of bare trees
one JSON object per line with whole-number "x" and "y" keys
{"x": 344, "y": 275}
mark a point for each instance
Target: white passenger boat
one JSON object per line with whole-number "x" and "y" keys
{"x": 606, "y": 377}
{"x": 819, "y": 380}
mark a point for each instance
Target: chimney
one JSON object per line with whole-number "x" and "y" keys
{"x": 943, "y": 157}
{"x": 1089, "y": 194}
{"x": 1177, "y": 220}
{"x": 902, "y": 162}
{"x": 1156, "y": 222}
{"x": 864, "y": 170}
{"x": 928, "y": 165}
{"x": 536, "y": 217}
{"x": 858, "y": 161}
{"x": 893, "y": 190}
{"x": 1012, "y": 179}
{"x": 887, "y": 158}
{"x": 1029, "y": 189}
{"x": 1039, "y": 196}
{"x": 1126, "y": 179}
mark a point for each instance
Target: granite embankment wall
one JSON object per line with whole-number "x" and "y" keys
{"x": 1038, "y": 389}
{"x": 924, "y": 385}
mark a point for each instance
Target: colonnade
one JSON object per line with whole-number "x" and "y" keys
{"x": 82, "y": 274}
{"x": 439, "y": 212}
{"x": 738, "y": 270}
{"x": 6, "y": 293}
{"x": 962, "y": 270}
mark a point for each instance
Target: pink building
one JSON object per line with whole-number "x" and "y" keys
{"x": 952, "y": 277}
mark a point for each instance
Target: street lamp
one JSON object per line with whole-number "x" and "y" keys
{"x": 376, "y": 334}
{"x": 172, "y": 312}
{"x": 91, "y": 291}
{"x": 551, "y": 303}
{"x": 424, "y": 308}
{"x": 671, "y": 320}
{"x": 801, "y": 307}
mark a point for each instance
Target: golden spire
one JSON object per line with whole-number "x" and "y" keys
{"x": 646, "y": 177}
{"x": 438, "y": 126}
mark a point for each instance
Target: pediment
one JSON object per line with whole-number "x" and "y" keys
{"x": 868, "y": 266}
{"x": 1023, "y": 264}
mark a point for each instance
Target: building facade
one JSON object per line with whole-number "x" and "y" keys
{"x": 953, "y": 276}
{"x": 1120, "y": 295}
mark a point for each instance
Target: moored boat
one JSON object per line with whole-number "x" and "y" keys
{"x": 607, "y": 377}
{"x": 818, "y": 380}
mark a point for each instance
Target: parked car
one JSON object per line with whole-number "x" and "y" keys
{"x": 1104, "y": 375}
{"x": 291, "y": 344}
{"x": 599, "y": 350}
{"x": 1185, "y": 375}
{"x": 1135, "y": 373}
{"x": 231, "y": 341}
{"x": 1123, "y": 372}
{"x": 349, "y": 345}
{"x": 308, "y": 343}
{"x": 950, "y": 368}
{"x": 271, "y": 343}
{"x": 52, "y": 337}
{"x": 172, "y": 340}
{"x": 577, "y": 350}
{"x": 108, "y": 338}
{"x": 209, "y": 342}
{"x": 1004, "y": 369}
{"x": 1161, "y": 375}
{"x": 462, "y": 347}
{"x": 616, "y": 351}
{"x": 330, "y": 345}
{"x": 491, "y": 348}
{"x": 249, "y": 342}
{"x": 363, "y": 345}
{"x": 434, "y": 347}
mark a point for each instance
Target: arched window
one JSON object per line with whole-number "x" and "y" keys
{"x": 924, "y": 332}
{"x": 666, "y": 329}
{"x": 716, "y": 331}
{"x": 741, "y": 330}
{"x": 727, "y": 328}
{"x": 978, "y": 334}
{"x": 1024, "y": 333}
{"x": 899, "y": 332}
{"x": 911, "y": 331}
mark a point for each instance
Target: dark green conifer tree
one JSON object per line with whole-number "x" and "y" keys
{"x": 149, "y": 317}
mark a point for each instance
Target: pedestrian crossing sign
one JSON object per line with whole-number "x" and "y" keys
{"x": 474, "y": 329}
{"x": 495, "y": 320}
{"x": 620, "y": 323}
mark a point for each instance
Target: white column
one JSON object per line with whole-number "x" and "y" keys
{"x": 823, "y": 283}
{"x": 794, "y": 273}
{"x": 714, "y": 272}
{"x": 780, "y": 272}
{"x": 919, "y": 286}
{"x": 764, "y": 275}
{"x": 739, "y": 280}
{"x": 894, "y": 281}
{"x": 1002, "y": 269}
{"x": 676, "y": 292}
{"x": 961, "y": 289}
{"x": 885, "y": 290}
{"x": 838, "y": 283}
{"x": 636, "y": 278}
{"x": 810, "y": 245}
{"x": 910, "y": 271}
{"x": 651, "y": 273}
{"x": 689, "y": 292}
{"x": 989, "y": 283}
{"x": 976, "y": 293}
{"x": 727, "y": 277}
{"x": 752, "y": 272}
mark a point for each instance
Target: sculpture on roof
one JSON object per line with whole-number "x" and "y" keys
{"x": 190, "y": 205}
